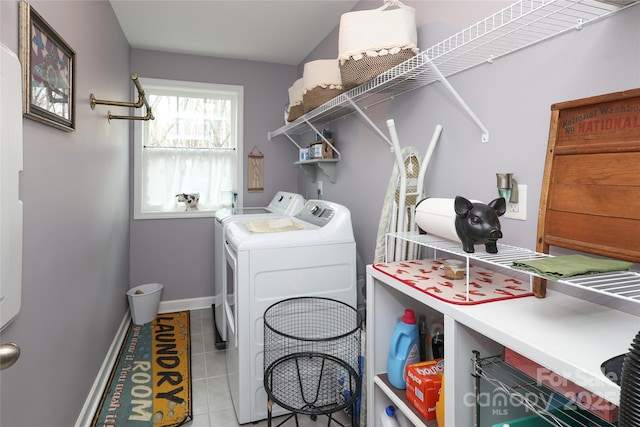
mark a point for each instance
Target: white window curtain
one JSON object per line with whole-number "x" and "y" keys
{"x": 169, "y": 171}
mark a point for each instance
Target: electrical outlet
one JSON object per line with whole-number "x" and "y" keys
{"x": 518, "y": 210}
{"x": 320, "y": 188}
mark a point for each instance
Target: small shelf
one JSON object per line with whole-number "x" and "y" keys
{"x": 522, "y": 24}
{"x": 328, "y": 166}
{"x": 535, "y": 396}
{"x": 400, "y": 401}
{"x": 619, "y": 284}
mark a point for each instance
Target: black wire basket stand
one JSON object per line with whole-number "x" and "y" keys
{"x": 312, "y": 357}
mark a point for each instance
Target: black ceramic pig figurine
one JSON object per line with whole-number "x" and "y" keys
{"x": 477, "y": 223}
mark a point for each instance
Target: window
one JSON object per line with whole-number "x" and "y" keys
{"x": 194, "y": 145}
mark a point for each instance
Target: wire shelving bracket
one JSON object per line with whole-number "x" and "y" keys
{"x": 522, "y": 24}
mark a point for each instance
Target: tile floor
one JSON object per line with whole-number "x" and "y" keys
{"x": 212, "y": 406}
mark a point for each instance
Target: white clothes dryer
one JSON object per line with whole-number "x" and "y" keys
{"x": 283, "y": 203}
{"x": 312, "y": 253}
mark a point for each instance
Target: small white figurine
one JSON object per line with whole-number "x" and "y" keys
{"x": 190, "y": 200}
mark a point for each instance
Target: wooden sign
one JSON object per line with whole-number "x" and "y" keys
{"x": 256, "y": 171}
{"x": 590, "y": 199}
{"x": 605, "y": 122}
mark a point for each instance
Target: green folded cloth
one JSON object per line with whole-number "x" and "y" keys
{"x": 560, "y": 267}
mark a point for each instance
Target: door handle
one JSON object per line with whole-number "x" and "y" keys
{"x": 9, "y": 354}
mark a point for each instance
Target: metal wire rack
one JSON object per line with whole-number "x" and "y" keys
{"x": 312, "y": 356}
{"x": 515, "y": 27}
{"x": 619, "y": 284}
{"x": 519, "y": 388}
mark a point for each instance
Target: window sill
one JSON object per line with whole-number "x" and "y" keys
{"x": 174, "y": 215}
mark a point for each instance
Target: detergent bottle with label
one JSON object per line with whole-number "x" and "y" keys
{"x": 403, "y": 349}
{"x": 388, "y": 417}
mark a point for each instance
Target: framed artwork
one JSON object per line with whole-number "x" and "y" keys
{"x": 48, "y": 72}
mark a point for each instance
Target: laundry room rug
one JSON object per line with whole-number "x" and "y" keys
{"x": 427, "y": 276}
{"x": 150, "y": 383}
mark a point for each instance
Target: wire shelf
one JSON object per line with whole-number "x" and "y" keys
{"x": 515, "y": 27}
{"x": 620, "y": 284}
{"x": 554, "y": 408}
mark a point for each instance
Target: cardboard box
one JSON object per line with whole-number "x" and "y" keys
{"x": 322, "y": 150}
{"x": 315, "y": 151}
{"x": 584, "y": 398}
{"x": 423, "y": 386}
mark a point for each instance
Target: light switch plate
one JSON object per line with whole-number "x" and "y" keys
{"x": 518, "y": 210}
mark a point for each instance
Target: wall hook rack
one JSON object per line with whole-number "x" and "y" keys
{"x": 142, "y": 100}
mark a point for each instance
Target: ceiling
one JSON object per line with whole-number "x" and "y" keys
{"x": 277, "y": 31}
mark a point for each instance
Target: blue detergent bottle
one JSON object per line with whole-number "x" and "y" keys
{"x": 403, "y": 349}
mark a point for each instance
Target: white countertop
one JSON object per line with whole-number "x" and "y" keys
{"x": 569, "y": 336}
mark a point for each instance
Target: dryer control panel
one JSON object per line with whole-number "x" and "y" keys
{"x": 317, "y": 212}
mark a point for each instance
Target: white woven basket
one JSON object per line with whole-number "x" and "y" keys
{"x": 372, "y": 41}
{"x": 322, "y": 82}
{"x": 295, "y": 108}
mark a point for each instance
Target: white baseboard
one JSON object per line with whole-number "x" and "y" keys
{"x": 93, "y": 399}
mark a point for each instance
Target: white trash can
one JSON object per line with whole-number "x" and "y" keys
{"x": 144, "y": 301}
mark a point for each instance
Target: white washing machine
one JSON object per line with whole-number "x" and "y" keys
{"x": 283, "y": 203}
{"x": 312, "y": 253}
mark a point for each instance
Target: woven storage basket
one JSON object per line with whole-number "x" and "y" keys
{"x": 295, "y": 108}
{"x": 322, "y": 82}
{"x": 373, "y": 41}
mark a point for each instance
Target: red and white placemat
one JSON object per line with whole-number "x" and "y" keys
{"x": 484, "y": 285}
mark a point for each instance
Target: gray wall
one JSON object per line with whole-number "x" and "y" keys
{"x": 76, "y": 226}
{"x": 179, "y": 252}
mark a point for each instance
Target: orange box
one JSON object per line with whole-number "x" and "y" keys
{"x": 584, "y": 398}
{"x": 423, "y": 386}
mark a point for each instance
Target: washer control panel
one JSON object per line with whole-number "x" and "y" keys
{"x": 317, "y": 212}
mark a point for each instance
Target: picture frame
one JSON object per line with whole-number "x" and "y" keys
{"x": 48, "y": 72}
